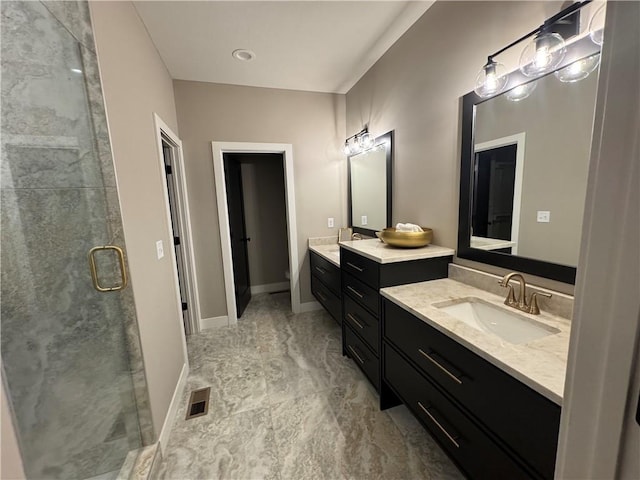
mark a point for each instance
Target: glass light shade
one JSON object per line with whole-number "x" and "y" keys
{"x": 542, "y": 55}
{"x": 578, "y": 70}
{"x": 521, "y": 91}
{"x": 354, "y": 146}
{"x": 366, "y": 141}
{"x": 346, "y": 149}
{"x": 596, "y": 25}
{"x": 491, "y": 80}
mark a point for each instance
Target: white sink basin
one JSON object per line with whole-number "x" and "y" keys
{"x": 486, "y": 317}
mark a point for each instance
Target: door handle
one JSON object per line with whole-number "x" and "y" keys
{"x": 94, "y": 269}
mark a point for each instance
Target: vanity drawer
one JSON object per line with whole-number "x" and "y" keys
{"x": 526, "y": 421}
{"x": 362, "y": 355}
{"x": 325, "y": 271}
{"x": 362, "y": 268}
{"x": 362, "y": 322}
{"x": 362, "y": 293}
{"x": 329, "y": 300}
{"x": 476, "y": 453}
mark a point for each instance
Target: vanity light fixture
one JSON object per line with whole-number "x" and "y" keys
{"x": 521, "y": 91}
{"x": 542, "y": 55}
{"x": 596, "y": 25}
{"x": 578, "y": 70}
{"x": 360, "y": 142}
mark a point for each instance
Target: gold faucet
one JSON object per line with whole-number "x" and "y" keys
{"x": 521, "y": 302}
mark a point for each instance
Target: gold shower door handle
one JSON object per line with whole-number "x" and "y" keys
{"x": 94, "y": 269}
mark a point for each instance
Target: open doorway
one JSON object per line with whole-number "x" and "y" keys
{"x": 181, "y": 252}
{"x": 256, "y": 205}
{"x": 285, "y": 152}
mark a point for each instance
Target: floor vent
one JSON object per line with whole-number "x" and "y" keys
{"x": 198, "y": 403}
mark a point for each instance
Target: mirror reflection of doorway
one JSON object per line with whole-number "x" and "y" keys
{"x": 494, "y": 180}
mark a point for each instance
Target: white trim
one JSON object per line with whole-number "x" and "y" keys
{"x": 519, "y": 141}
{"x": 214, "y": 322}
{"x": 184, "y": 219}
{"x": 310, "y": 307}
{"x": 269, "y": 287}
{"x": 286, "y": 149}
{"x": 170, "y": 418}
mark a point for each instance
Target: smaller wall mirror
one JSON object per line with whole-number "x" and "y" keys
{"x": 369, "y": 181}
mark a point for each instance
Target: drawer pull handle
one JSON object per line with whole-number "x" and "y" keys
{"x": 322, "y": 297}
{"x": 354, "y": 320}
{"x": 433, "y": 419}
{"x": 356, "y": 354}
{"x": 321, "y": 270}
{"x": 360, "y": 269}
{"x": 349, "y": 287}
{"x": 437, "y": 364}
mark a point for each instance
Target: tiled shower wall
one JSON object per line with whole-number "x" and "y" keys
{"x": 71, "y": 356}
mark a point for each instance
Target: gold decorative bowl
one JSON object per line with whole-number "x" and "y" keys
{"x": 406, "y": 239}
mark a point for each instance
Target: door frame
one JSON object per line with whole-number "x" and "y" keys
{"x": 286, "y": 149}
{"x": 184, "y": 221}
{"x": 519, "y": 141}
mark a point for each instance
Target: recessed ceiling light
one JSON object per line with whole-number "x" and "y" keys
{"x": 243, "y": 54}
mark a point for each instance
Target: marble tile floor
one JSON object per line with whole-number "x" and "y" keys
{"x": 285, "y": 404}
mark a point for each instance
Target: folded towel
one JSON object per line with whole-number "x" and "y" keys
{"x": 408, "y": 227}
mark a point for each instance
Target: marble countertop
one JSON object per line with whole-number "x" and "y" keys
{"x": 330, "y": 252}
{"x": 541, "y": 364}
{"x": 380, "y": 252}
{"x": 485, "y": 243}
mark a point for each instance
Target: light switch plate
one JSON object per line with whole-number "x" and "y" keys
{"x": 544, "y": 216}
{"x": 330, "y": 222}
{"x": 159, "y": 249}
{"x": 364, "y": 220}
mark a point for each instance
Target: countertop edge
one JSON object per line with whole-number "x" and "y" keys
{"x": 412, "y": 254}
{"x": 325, "y": 255}
{"x": 528, "y": 381}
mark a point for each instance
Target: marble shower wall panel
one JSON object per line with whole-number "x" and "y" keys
{"x": 71, "y": 355}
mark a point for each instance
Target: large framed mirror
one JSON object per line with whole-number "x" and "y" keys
{"x": 524, "y": 168}
{"x": 370, "y": 187}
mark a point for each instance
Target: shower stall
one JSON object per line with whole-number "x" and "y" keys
{"x": 71, "y": 358}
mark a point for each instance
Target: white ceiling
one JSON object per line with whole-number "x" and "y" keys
{"x": 320, "y": 46}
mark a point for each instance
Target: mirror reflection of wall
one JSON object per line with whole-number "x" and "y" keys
{"x": 369, "y": 189}
{"x": 557, "y": 122}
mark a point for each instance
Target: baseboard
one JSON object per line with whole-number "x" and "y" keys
{"x": 270, "y": 287}
{"x": 214, "y": 322}
{"x": 310, "y": 307}
{"x": 170, "y": 418}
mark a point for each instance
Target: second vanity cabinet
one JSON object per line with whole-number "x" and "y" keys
{"x": 493, "y": 425}
{"x": 326, "y": 285}
{"x": 362, "y": 278}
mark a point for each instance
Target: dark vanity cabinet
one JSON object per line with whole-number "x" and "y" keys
{"x": 491, "y": 424}
{"x": 362, "y": 279}
{"x": 325, "y": 285}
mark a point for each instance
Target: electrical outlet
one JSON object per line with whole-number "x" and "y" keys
{"x": 364, "y": 220}
{"x": 330, "y": 222}
{"x": 544, "y": 216}
{"x": 159, "y": 249}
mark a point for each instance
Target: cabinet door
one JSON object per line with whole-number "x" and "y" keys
{"x": 330, "y": 301}
{"x": 363, "y": 356}
{"x": 326, "y": 271}
{"x": 363, "y": 294}
{"x": 362, "y": 322}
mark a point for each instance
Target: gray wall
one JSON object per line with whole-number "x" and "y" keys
{"x": 265, "y": 218}
{"x": 312, "y": 122}
{"x": 558, "y": 120}
{"x": 137, "y": 84}
{"x": 415, "y": 90}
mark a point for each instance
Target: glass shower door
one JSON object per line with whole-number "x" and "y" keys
{"x": 66, "y": 347}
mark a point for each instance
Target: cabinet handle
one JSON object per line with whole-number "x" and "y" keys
{"x": 433, "y": 419}
{"x": 353, "y": 319}
{"x": 322, "y": 271}
{"x": 349, "y": 287}
{"x": 355, "y": 267}
{"x": 322, "y": 297}
{"x": 439, "y": 365}
{"x": 356, "y": 354}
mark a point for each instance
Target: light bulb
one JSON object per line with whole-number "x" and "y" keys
{"x": 367, "y": 141}
{"x": 542, "y": 55}
{"x": 491, "y": 80}
{"x": 521, "y": 91}
{"x": 596, "y": 25}
{"x": 578, "y": 70}
{"x": 346, "y": 149}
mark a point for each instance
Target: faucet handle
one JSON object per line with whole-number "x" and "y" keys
{"x": 511, "y": 297}
{"x": 533, "y": 302}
